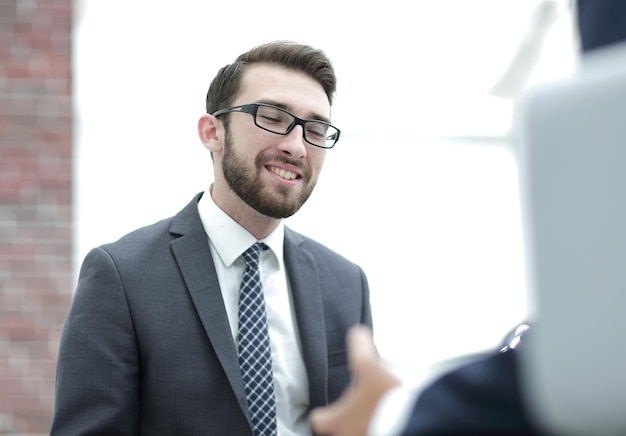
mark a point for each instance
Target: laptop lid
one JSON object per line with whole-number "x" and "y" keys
{"x": 573, "y": 181}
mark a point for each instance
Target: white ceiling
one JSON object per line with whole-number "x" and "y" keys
{"x": 420, "y": 67}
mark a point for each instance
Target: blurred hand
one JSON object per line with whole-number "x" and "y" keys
{"x": 351, "y": 414}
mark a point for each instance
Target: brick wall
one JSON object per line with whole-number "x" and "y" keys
{"x": 35, "y": 206}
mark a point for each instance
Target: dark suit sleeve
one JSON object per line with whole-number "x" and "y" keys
{"x": 366, "y": 317}
{"x": 600, "y": 23}
{"x": 97, "y": 373}
{"x": 481, "y": 397}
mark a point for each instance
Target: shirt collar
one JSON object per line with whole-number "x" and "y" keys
{"x": 230, "y": 239}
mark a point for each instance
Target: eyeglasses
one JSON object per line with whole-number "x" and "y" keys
{"x": 279, "y": 121}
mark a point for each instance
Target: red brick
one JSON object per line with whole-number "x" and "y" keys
{"x": 35, "y": 206}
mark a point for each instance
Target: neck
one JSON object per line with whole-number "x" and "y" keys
{"x": 257, "y": 224}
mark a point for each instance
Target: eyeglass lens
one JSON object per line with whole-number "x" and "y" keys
{"x": 278, "y": 121}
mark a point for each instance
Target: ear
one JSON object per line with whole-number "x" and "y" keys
{"x": 211, "y": 132}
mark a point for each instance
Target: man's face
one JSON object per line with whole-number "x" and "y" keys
{"x": 274, "y": 174}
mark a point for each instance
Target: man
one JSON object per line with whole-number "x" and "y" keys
{"x": 482, "y": 397}
{"x": 155, "y": 344}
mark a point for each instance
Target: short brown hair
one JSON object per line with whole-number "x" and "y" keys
{"x": 311, "y": 61}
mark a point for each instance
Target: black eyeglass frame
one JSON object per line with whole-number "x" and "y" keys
{"x": 251, "y": 108}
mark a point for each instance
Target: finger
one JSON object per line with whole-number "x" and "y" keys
{"x": 325, "y": 420}
{"x": 321, "y": 420}
{"x": 361, "y": 348}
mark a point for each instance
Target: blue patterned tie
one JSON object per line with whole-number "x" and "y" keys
{"x": 255, "y": 356}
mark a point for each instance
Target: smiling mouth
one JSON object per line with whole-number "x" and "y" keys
{"x": 287, "y": 175}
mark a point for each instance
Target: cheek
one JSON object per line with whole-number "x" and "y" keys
{"x": 244, "y": 145}
{"x": 316, "y": 161}
{"x": 244, "y": 134}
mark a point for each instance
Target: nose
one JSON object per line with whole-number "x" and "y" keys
{"x": 293, "y": 143}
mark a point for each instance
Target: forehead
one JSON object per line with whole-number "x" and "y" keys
{"x": 298, "y": 92}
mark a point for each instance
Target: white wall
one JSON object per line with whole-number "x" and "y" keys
{"x": 435, "y": 223}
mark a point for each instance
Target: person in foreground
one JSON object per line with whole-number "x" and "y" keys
{"x": 175, "y": 329}
{"x": 482, "y": 397}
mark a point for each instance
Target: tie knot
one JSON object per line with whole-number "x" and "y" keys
{"x": 251, "y": 255}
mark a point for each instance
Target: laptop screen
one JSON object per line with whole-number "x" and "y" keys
{"x": 573, "y": 181}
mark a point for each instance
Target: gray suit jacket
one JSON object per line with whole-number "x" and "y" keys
{"x": 147, "y": 350}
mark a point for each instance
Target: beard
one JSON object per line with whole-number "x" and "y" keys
{"x": 276, "y": 202}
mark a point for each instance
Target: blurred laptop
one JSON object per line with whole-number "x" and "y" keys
{"x": 573, "y": 179}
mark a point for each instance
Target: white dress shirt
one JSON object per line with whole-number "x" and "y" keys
{"x": 228, "y": 240}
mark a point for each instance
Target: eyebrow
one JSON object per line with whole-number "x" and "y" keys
{"x": 312, "y": 116}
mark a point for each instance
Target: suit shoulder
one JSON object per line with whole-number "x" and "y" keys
{"x": 141, "y": 236}
{"x": 318, "y": 249}
{"x": 159, "y": 234}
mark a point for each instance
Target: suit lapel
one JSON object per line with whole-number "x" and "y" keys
{"x": 193, "y": 255}
{"x": 307, "y": 299}
{"x": 191, "y": 249}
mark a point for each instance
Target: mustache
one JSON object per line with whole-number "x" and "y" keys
{"x": 262, "y": 159}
